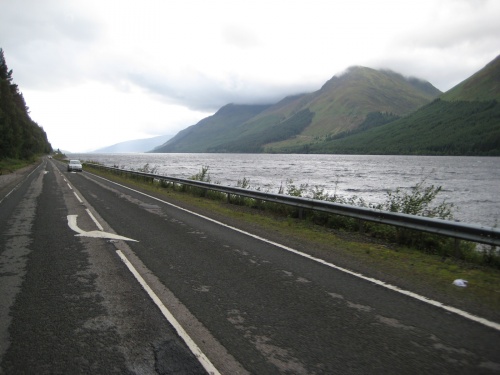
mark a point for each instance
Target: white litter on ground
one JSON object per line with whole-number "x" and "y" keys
{"x": 460, "y": 282}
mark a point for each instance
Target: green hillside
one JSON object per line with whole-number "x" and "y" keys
{"x": 483, "y": 85}
{"x": 20, "y": 136}
{"x": 362, "y": 111}
{"x": 342, "y": 104}
{"x": 347, "y": 99}
{"x": 438, "y": 128}
{"x": 463, "y": 121}
{"x": 212, "y": 131}
{"x": 253, "y": 142}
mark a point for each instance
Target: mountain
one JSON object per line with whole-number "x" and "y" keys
{"x": 138, "y": 145}
{"x": 481, "y": 86}
{"x": 293, "y": 124}
{"x": 345, "y": 101}
{"x": 212, "y": 130}
{"x": 362, "y": 111}
{"x": 463, "y": 121}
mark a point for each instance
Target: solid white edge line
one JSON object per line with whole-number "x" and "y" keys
{"x": 394, "y": 288}
{"x": 202, "y": 358}
{"x": 99, "y": 226}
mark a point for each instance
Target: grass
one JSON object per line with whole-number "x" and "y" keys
{"x": 11, "y": 165}
{"x": 428, "y": 274}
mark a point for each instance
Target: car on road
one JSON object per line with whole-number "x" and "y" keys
{"x": 75, "y": 165}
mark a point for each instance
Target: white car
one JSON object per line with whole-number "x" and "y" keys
{"x": 75, "y": 165}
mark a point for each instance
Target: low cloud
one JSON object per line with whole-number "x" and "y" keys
{"x": 188, "y": 59}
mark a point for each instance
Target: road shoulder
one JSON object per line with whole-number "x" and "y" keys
{"x": 9, "y": 181}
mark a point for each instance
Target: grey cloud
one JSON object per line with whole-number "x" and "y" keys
{"x": 239, "y": 37}
{"x": 51, "y": 43}
{"x": 471, "y": 33}
{"x": 443, "y": 73}
{"x": 202, "y": 93}
{"x": 45, "y": 41}
{"x": 462, "y": 22}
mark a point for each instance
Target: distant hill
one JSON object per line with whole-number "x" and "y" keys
{"x": 463, "y": 121}
{"x": 294, "y": 123}
{"x": 138, "y": 145}
{"x": 213, "y": 130}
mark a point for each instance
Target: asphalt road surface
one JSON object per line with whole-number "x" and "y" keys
{"x": 99, "y": 278}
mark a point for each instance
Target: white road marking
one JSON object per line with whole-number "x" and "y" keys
{"x": 77, "y": 197}
{"x": 95, "y": 233}
{"x": 202, "y": 358}
{"x": 19, "y": 184}
{"x": 94, "y": 219}
{"x": 394, "y": 288}
{"x": 99, "y": 226}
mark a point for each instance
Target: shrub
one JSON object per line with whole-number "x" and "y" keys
{"x": 419, "y": 200}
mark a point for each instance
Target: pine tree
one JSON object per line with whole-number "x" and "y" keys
{"x": 20, "y": 136}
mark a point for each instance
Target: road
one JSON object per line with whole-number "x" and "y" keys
{"x": 98, "y": 278}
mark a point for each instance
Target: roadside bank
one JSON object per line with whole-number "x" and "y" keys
{"x": 10, "y": 180}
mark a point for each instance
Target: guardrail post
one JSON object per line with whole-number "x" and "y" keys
{"x": 361, "y": 224}
{"x": 458, "y": 252}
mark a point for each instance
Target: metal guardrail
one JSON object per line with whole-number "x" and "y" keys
{"x": 462, "y": 231}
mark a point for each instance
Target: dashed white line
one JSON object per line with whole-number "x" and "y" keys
{"x": 99, "y": 226}
{"x": 77, "y": 197}
{"x": 202, "y": 358}
{"x": 96, "y": 234}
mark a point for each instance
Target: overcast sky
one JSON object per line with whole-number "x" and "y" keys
{"x": 99, "y": 72}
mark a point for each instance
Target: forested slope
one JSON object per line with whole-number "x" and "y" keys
{"x": 20, "y": 136}
{"x": 439, "y": 128}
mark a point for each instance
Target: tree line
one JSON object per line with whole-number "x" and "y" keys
{"x": 20, "y": 136}
{"x": 438, "y": 128}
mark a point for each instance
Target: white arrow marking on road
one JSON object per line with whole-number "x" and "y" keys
{"x": 95, "y": 233}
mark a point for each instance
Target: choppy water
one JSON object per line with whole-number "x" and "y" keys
{"x": 472, "y": 184}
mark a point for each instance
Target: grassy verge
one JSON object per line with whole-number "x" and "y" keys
{"x": 428, "y": 274}
{"x": 11, "y": 165}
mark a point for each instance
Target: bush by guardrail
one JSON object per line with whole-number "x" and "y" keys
{"x": 460, "y": 231}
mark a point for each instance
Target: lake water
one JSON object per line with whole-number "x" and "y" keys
{"x": 472, "y": 184}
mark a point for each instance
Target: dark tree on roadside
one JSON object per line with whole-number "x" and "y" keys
{"x": 20, "y": 136}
